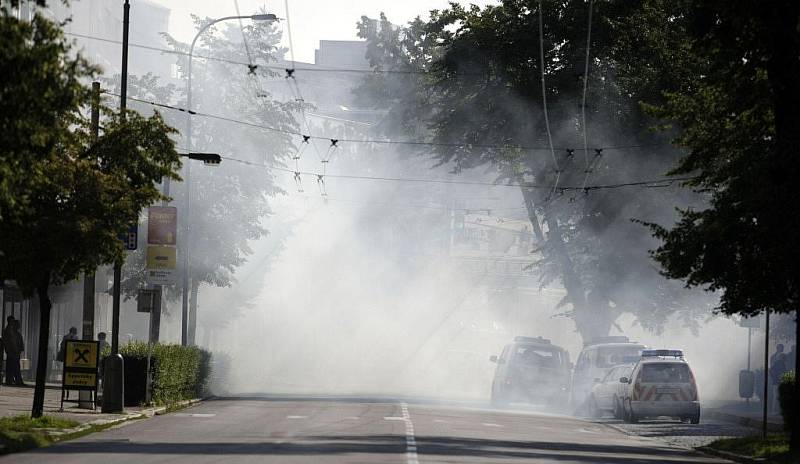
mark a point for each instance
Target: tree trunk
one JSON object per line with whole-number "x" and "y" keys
{"x": 530, "y": 206}
{"x": 42, "y": 360}
{"x": 781, "y": 19}
{"x": 591, "y": 320}
{"x": 192, "y": 327}
{"x": 794, "y": 440}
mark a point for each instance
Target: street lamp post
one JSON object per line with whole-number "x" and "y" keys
{"x": 187, "y": 177}
{"x": 114, "y": 367}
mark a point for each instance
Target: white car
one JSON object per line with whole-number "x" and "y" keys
{"x": 661, "y": 384}
{"x": 597, "y": 358}
{"x": 608, "y": 392}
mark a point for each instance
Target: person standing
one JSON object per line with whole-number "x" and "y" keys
{"x": 12, "y": 343}
{"x": 777, "y": 367}
{"x": 71, "y": 335}
{"x": 19, "y": 343}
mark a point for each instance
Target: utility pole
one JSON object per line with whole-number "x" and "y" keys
{"x": 114, "y": 375}
{"x": 766, "y": 378}
{"x": 85, "y": 397}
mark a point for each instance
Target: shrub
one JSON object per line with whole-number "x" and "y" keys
{"x": 179, "y": 372}
{"x": 787, "y": 401}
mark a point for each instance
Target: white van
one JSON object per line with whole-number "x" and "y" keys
{"x": 599, "y": 355}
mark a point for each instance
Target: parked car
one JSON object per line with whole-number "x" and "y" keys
{"x": 661, "y": 384}
{"x": 531, "y": 370}
{"x": 608, "y": 392}
{"x": 598, "y": 356}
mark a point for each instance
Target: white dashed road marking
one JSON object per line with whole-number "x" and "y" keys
{"x": 411, "y": 442}
{"x": 297, "y": 417}
{"x": 490, "y": 424}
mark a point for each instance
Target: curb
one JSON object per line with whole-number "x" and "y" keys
{"x": 728, "y": 455}
{"x": 745, "y": 421}
{"x": 143, "y": 414}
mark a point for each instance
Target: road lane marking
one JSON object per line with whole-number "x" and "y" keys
{"x": 441, "y": 421}
{"x": 411, "y": 442}
{"x": 490, "y": 424}
{"x": 352, "y": 418}
{"x": 394, "y": 418}
{"x": 183, "y": 414}
{"x": 297, "y": 417}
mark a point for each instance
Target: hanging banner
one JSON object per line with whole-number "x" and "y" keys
{"x": 162, "y": 225}
{"x": 161, "y": 264}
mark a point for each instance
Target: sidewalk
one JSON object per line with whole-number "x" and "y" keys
{"x": 18, "y": 400}
{"x": 743, "y": 413}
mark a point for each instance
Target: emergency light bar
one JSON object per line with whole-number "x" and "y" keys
{"x": 662, "y": 353}
{"x": 520, "y": 338}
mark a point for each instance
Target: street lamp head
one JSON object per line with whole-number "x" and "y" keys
{"x": 264, "y": 17}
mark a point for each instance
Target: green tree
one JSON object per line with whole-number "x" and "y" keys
{"x": 40, "y": 84}
{"x": 229, "y": 203}
{"x": 738, "y": 118}
{"x": 469, "y": 78}
{"x": 79, "y": 194}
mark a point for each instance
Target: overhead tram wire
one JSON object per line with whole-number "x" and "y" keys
{"x": 544, "y": 101}
{"x": 290, "y": 78}
{"x": 271, "y": 67}
{"x": 595, "y": 160}
{"x": 643, "y": 183}
{"x": 384, "y": 141}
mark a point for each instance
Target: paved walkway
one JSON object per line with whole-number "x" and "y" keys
{"x": 18, "y": 400}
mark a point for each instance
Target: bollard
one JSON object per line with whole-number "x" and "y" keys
{"x": 114, "y": 384}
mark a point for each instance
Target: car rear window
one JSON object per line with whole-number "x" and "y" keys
{"x": 537, "y": 356}
{"x": 615, "y": 355}
{"x": 666, "y": 373}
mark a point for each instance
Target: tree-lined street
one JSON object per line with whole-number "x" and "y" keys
{"x": 330, "y": 430}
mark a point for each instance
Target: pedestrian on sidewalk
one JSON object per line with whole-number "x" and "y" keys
{"x": 13, "y": 346}
{"x": 71, "y": 335}
{"x": 777, "y": 367}
{"x": 791, "y": 359}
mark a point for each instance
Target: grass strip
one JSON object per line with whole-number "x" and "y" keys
{"x": 20, "y": 433}
{"x": 774, "y": 448}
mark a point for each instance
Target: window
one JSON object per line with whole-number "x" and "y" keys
{"x": 666, "y": 373}
{"x": 616, "y": 355}
{"x": 530, "y": 355}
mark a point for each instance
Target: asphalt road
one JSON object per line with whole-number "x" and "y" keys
{"x": 295, "y": 430}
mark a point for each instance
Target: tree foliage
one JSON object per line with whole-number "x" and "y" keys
{"x": 468, "y": 79}
{"x": 40, "y": 95}
{"x": 228, "y": 204}
{"x": 67, "y": 197}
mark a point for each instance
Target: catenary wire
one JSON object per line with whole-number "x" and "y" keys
{"x": 642, "y": 183}
{"x": 386, "y": 141}
{"x": 544, "y": 100}
{"x": 583, "y": 103}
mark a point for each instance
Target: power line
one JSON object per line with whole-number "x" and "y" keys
{"x": 583, "y": 104}
{"x": 387, "y": 141}
{"x": 544, "y": 100}
{"x": 266, "y": 66}
{"x": 643, "y": 183}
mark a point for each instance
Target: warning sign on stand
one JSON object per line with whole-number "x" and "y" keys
{"x": 81, "y": 361}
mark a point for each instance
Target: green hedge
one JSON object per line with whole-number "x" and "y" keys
{"x": 179, "y": 372}
{"x": 787, "y": 401}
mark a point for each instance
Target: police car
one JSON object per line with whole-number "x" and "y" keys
{"x": 661, "y": 384}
